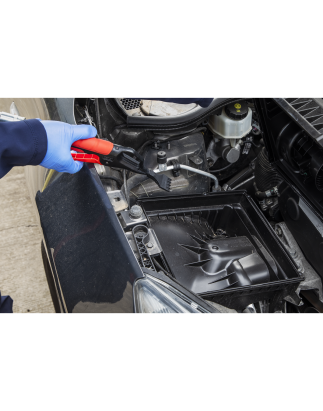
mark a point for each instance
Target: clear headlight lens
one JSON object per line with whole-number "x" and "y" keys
{"x": 154, "y": 296}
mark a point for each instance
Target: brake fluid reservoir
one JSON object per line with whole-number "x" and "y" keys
{"x": 233, "y": 122}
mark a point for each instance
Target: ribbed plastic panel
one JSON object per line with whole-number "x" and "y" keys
{"x": 266, "y": 176}
{"x": 307, "y": 111}
{"x": 310, "y": 109}
{"x": 319, "y": 180}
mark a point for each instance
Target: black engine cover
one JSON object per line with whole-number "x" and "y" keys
{"x": 190, "y": 151}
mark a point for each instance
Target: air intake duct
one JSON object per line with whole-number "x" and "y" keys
{"x": 305, "y": 157}
{"x": 266, "y": 176}
{"x": 317, "y": 169}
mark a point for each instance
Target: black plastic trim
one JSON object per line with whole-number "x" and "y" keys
{"x": 300, "y": 120}
{"x": 177, "y": 122}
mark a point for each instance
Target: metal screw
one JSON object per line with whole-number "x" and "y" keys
{"x": 150, "y": 245}
{"x": 279, "y": 231}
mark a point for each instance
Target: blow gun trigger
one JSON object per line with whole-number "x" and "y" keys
{"x": 94, "y": 146}
{"x": 86, "y": 158}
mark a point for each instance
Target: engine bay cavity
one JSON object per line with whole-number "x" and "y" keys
{"x": 242, "y": 222}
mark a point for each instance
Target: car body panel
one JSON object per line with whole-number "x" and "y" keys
{"x": 79, "y": 224}
{"x": 94, "y": 265}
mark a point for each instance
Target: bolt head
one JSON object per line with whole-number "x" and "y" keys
{"x": 279, "y": 231}
{"x": 136, "y": 211}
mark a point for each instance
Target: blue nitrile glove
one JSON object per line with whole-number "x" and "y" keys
{"x": 60, "y": 137}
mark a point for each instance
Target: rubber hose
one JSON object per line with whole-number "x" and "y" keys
{"x": 135, "y": 180}
{"x": 260, "y": 194}
{"x": 263, "y": 194}
{"x": 247, "y": 172}
{"x": 221, "y": 169}
{"x": 182, "y": 135}
{"x": 125, "y": 187}
{"x": 98, "y": 119}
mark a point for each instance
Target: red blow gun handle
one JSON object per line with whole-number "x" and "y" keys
{"x": 86, "y": 158}
{"x": 94, "y": 146}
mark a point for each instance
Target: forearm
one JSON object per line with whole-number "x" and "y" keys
{"x": 21, "y": 143}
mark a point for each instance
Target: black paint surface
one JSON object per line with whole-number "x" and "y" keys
{"x": 95, "y": 266}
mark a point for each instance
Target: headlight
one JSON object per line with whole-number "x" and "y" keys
{"x": 154, "y": 296}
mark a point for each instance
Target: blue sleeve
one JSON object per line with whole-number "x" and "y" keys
{"x": 202, "y": 101}
{"x": 5, "y": 304}
{"x": 22, "y": 143}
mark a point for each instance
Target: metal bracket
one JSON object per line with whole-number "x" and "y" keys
{"x": 127, "y": 222}
{"x": 118, "y": 200}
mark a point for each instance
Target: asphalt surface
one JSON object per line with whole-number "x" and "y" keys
{"x": 22, "y": 274}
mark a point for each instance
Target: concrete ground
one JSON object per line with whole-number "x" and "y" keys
{"x": 22, "y": 274}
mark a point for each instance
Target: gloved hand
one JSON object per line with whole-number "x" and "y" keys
{"x": 60, "y": 137}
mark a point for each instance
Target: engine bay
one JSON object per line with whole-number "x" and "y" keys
{"x": 241, "y": 226}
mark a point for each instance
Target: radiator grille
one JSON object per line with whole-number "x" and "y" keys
{"x": 130, "y": 104}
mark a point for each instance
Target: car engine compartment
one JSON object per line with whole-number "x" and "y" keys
{"x": 242, "y": 225}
